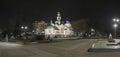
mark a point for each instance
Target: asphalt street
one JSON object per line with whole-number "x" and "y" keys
{"x": 66, "y": 48}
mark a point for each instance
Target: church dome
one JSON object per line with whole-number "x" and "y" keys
{"x": 68, "y": 24}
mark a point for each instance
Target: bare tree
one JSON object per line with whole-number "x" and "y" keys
{"x": 80, "y": 25}
{"x": 39, "y": 26}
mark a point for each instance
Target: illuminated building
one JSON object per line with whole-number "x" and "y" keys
{"x": 58, "y": 28}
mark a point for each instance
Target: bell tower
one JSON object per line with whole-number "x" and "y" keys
{"x": 58, "y": 17}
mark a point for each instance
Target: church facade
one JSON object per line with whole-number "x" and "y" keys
{"x": 59, "y": 28}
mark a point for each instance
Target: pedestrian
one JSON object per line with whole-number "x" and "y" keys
{"x": 110, "y": 36}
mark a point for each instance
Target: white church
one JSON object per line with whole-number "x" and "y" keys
{"x": 58, "y": 28}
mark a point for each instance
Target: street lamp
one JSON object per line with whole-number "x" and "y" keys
{"x": 116, "y": 20}
{"x": 24, "y": 28}
{"x": 115, "y": 26}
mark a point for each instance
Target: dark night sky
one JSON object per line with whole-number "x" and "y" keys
{"x": 101, "y": 11}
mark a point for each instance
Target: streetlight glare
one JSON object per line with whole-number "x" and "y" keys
{"x": 117, "y": 20}
{"x": 114, "y": 19}
{"x": 22, "y": 27}
{"x": 26, "y": 27}
{"x": 115, "y": 25}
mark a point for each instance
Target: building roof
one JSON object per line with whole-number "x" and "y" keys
{"x": 52, "y": 27}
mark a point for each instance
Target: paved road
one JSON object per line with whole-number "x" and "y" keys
{"x": 67, "y": 48}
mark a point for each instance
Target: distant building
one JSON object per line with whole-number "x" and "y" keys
{"x": 58, "y": 28}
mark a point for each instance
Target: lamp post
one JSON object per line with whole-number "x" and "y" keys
{"x": 116, "y": 20}
{"x": 24, "y": 28}
{"x": 115, "y": 24}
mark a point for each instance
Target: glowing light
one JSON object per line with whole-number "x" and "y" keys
{"x": 115, "y": 25}
{"x": 117, "y": 20}
{"x": 26, "y": 27}
{"x": 114, "y": 19}
{"x": 22, "y": 27}
{"x": 92, "y": 29}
